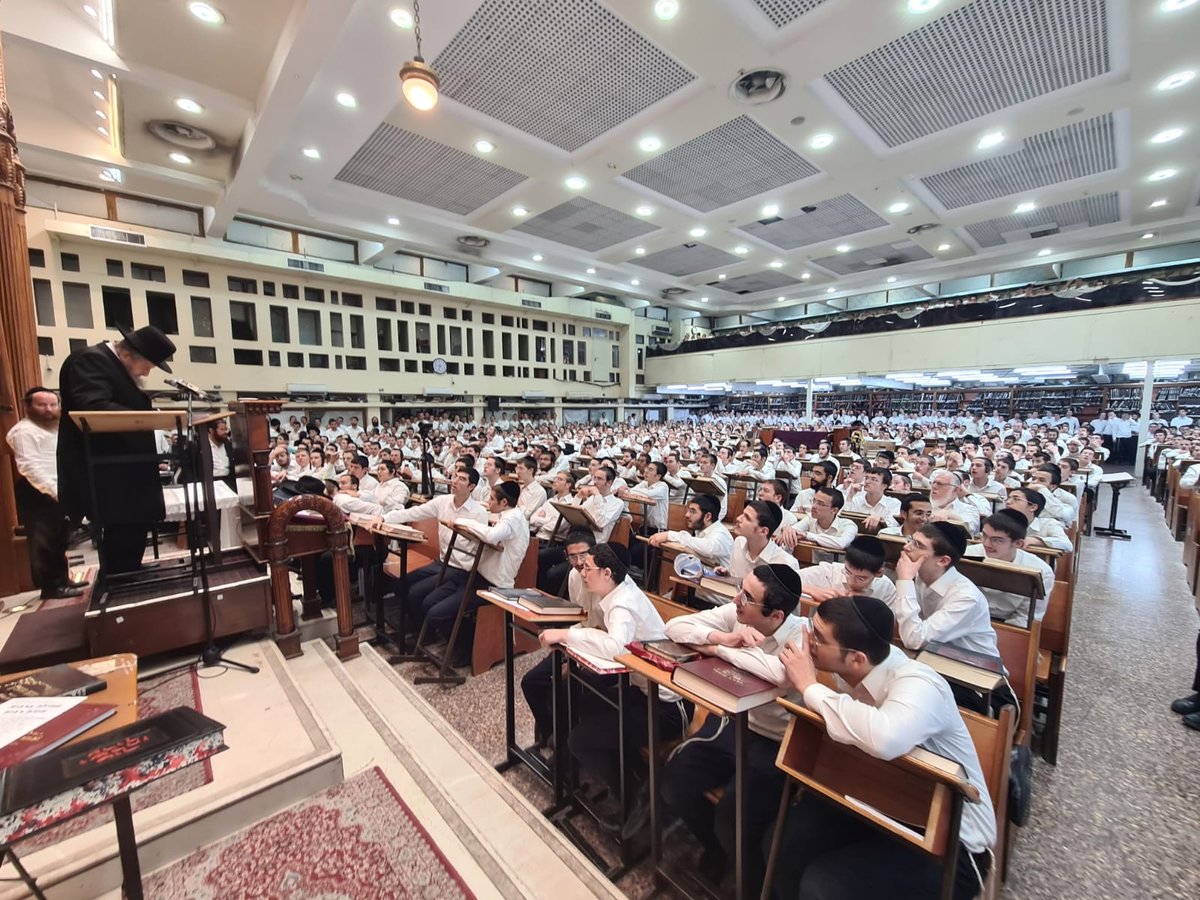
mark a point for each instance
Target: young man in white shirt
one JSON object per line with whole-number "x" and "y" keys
{"x": 1042, "y": 529}
{"x": 707, "y": 464}
{"x": 915, "y": 511}
{"x": 1004, "y": 540}
{"x": 707, "y": 538}
{"x": 869, "y": 498}
{"x": 390, "y": 492}
{"x": 750, "y": 633}
{"x": 533, "y": 495}
{"x": 752, "y": 545}
{"x": 822, "y": 474}
{"x": 823, "y": 527}
{"x": 628, "y": 616}
{"x": 980, "y": 480}
{"x": 885, "y": 705}
{"x": 1062, "y": 505}
{"x": 545, "y": 520}
{"x": 674, "y": 477}
{"x": 775, "y": 491}
{"x": 497, "y": 568}
{"x": 860, "y": 573}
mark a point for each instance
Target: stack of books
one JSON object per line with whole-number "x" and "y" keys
{"x": 45, "y": 709}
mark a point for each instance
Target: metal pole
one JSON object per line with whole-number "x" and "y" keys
{"x": 1144, "y": 420}
{"x": 808, "y": 404}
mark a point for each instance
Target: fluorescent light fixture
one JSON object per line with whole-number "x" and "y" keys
{"x": 1027, "y": 207}
{"x": 721, "y": 277}
{"x": 182, "y": 158}
{"x": 591, "y": 270}
{"x": 483, "y": 145}
{"x": 111, "y": 175}
{"x": 741, "y": 249}
{"x": 830, "y": 290}
{"x": 640, "y": 251}
{"x": 99, "y": 96}
{"x": 698, "y": 232}
{"x": 206, "y": 13}
{"x": 942, "y": 248}
{"x": 906, "y": 376}
{"x": 100, "y": 114}
{"x": 1176, "y": 80}
{"x": 91, "y": 11}
{"x": 842, "y": 248}
{"x": 576, "y": 182}
{"x": 1045, "y": 251}
{"x": 1166, "y": 136}
{"x": 311, "y": 152}
{"x": 102, "y": 130}
{"x": 645, "y": 210}
{"x": 991, "y": 139}
{"x": 703, "y": 299}
{"x": 1147, "y": 235}
{"x": 920, "y": 6}
{"x": 650, "y": 143}
{"x": 1176, "y": 5}
{"x": 96, "y": 73}
{"x": 346, "y": 99}
{"x": 519, "y": 211}
{"x": 666, "y": 10}
{"x": 537, "y": 257}
{"x": 776, "y": 264}
{"x": 1161, "y": 201}
{"x": 392, "y": 220}
{"x": 770, "y": 210}
{"x": 780, "y": 299}
{"x": 820, "y": 141}
{"x": 634, "y": 282}
{"x": 1042, "y": 370}
{"x": 891, "y": 279}
{"x": 804, "y": 276}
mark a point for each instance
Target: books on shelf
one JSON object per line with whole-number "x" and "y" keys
{"x": 55, "y": 681}
{"x": 979, "y": 671}
{"x": 665, "y": 654}
{"x": 62, "y": 728}
{"x": 724, "y": 685}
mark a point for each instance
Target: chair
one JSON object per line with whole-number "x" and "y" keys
{"x": 993, "y": 739}
{"x": 1054, "y": 642}
{"x": 488, "y": 648}
{"x": 1019, "y": 650}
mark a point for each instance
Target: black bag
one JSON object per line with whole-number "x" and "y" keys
{"x": 1020, "y": 786}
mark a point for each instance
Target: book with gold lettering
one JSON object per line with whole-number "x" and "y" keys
{"x": 724, "y": 685}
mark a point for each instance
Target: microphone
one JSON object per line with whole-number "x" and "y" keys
{"x": 188, "y": 387}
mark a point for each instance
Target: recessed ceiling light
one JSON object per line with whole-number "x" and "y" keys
{"x": 698, "y": 232}
{"x": 347, "y": 100}
{"x": 820, "y": 141}
{"x": 898, "y": 207}
{"x": 401, "y": 18}
{"x": 1176, "y": 5}
{"x": 634, "y": 282}
{"x": 644, "y": 210}
{"x": 591, "y": 270}
{"x": 666, "y": 9}
{"x": 392, "y": 220}
{"x": 537, "y": 257}
{"x": 1147, "y": 235}
{"x": 775, "y": 264}
{"x": 102, "y": 130}
{"x": 770, "y": 210}
{"x": 96, "y": 73}
{"x": 99, "y": 96}
{"x": 182, "y": 158}
{"x": 312, "y": 152}
{"x": 1027, "y": 207}
{"x": 830, "y": 290}
{"x": 188, "y": 105}
{"x": 206, "y": 13}
{"x": 1177, "y": 80}
{"x": 100, "y": 114}
{"x": 1159, "y": 202}
{"x": 110, "y": 175}
{"x": 842, "y": 248}
{"x": 741, "y": 249}
{"x": 519, "y": 211}
{"x": 1163, "y": 174}
{"x": 804, "y": 276}
{"x": 576, "y": 183}
{"x": 1166, "y": 135}
{"x": 483, "y": 145}
{"x": 991, "y": 139}
{"x": 1045, "y": 251}
{"x": 891, "y": 279}
{"x": 703, "y": 299}
{"x": 640, "y": 251}
{"x": 942, "y": 248}
{"x": 721, "y": 277}
{"x": 780, "y": 299}
{"x": 650, "y": 143}
{"x": 920, "y": 6}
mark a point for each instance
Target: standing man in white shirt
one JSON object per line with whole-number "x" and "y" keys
{"x": 885, "y": 705}
{"x": 34, "y": 444}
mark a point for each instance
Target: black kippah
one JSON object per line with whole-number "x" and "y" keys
{"x": 955, "y": 535}
{"x": 1017, "y": 517}
{"x": 876, "y": 615}
{"x": 787, "y": 578}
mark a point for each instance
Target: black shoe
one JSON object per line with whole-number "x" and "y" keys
{"x": 63, "y": 593}
{"x": 1192, "y": 720}
{"x": 639, "y": 816}
{"x": 712, "y": 866}
{"x": 1185, "y": 706}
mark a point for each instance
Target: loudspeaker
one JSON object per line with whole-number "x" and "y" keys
{"x": 493, "y": 404}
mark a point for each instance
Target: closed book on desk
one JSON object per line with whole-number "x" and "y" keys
{"x": 725, "y": 685}
{"x": 537, "y": 601}
{"x": 56, "y": 681}
{"x": 722, "y": 585}
{"x": 975, "y": 670}
{"x": 664, "y": 654}
{"x": 55, "y": 733}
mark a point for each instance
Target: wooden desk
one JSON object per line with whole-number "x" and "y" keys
{"x": 382, "y": 538}
{"x": 119, "y": 674}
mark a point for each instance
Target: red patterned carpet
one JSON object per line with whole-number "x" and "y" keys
{"x": 155, "y": 695}
{"x": 355, "y": 841}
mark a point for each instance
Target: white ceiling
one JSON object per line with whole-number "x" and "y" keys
{"x": 570, "y": 87}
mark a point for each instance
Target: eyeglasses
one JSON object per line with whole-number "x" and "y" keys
{"x": 742, "y": 598}
{"x": 857, "y": 577}
{"x": 589, "y": 568}
{"x": 576, "y": 557}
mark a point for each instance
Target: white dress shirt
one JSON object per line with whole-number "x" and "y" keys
{"x": 1051, "y": 532}
{"x": 967, "y": 512}
{"x": 741, "y": 563}
{"x": 442, "y": 509}
{"x": 511, "y": 534}
{"x": 903, "y": 704}
{"x": 361, "y": 505}
{"x": 714, "y": 545}
{"x": 888, "y": 508}
{"x": 533, "y": 495}
{"x": 951, "y": 610}
{"x": 838, "y": 535}
{"x": 391, "y": 494}
{"x": 833, "y": 575}
{"x": 1014, "y": 608}
{"x": 770, "y": 720}
{"x": 546, "y": 518}
{"x": 604, "y": 510}
{"x": 35, "y": 451}
{"x": 660, "y": 493}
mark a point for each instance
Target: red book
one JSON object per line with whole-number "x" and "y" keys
{"x": 55, "y": 733}
{"x": 724, "y": 685}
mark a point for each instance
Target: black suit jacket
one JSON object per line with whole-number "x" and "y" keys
{"x": 127, "y": 492}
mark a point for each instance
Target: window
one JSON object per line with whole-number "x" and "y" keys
{"x": 118, "y": 308}
{"x": 539, "y": 349}
{"x": 242, "y": 321}
{"x": 441, "y": 336}
{"x": 402, "y": 336}
{"x": 568, "y": 353}
{"x": 202, "y": 320}
{"x": 273, "y": 358}
{"x": 308, "y": 328}
{"x": 541, "y": 373}
{"x": 506, "y": 321}
{"x": 489, "y": 319}
{"x": 489, "y": 371}
{"x": 45, "y": 346}
{"x": 410, "y": 366}
{"x": 162, "y": 312}
{"x": 241, "y": 285}
{"x": 470, "y": 342}
{"x": 641, "y": 358}
{"x": 147, "y": 272}
{"x": 37, "y": 258}
{"x": 318, "y": 360}
{"x": 506, "y": 346}
{"x": 358, "y": 338}
{"x": 195, "y": 279}
{"x": 74, "y": 344}
{"x": 383, "y": 334}
{"x": 43, "y": 301}
{"x": 468, "y": 368}
{"x": 268, "y": 289}
{"x": 568, "y": 329}
{"x": 581, "y": 355}
{"x": 281, "y": 331}
{"x": 336, "y": 336}
{"x": 523, "y": 347}
{"x": 352, "y": 299}
{"x": 314, "y": 295}
{"x": 423, "y": 344}
{"x": 449, "y": 312}
{"x": 616, "y": 356}
{"x": 295, "y": 360}
{"x": 640, "y": 339}
{"x": 385, "y": 304}
{"x": 115, "y": 268}
{"x": 244, "y": 357}
{"x": 333, "y": 298}
{"x": 509, "y": 371}
{"x": 406, "y": 306}
{"x": 539, "y": 325}
{"x": 489, "y": 345}
{"x": 456, "y": 344}
{"x": 466, "y": 315}
{"x": 70, "y": 262}
{"x": 389, "y": 365}
{"x": 358, "y": 363}
{"x": 291, "y": 292}
{"x": 424, "y": 309}
{"x": 202, "y": 354}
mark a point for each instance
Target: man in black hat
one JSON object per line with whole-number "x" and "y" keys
{"x": 128, "y": 495}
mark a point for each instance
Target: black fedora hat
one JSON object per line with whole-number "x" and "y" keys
{"x": 150, "y": 343}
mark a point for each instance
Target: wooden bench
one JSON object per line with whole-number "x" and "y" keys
{"x": 1054, "y": 641}
{"x": 1177, "y": 510}
{"x": 488, "y": 648}
{"x": 1019, "y": 650}
{"x": 1191, "y": 544}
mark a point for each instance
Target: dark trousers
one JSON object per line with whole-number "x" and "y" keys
{"x": 48, "y": 534}
{"x": 552, "y": 568}
{"x": 122, "y": 547}
{"x": 537, "y": 685}
{"x": 1196, "y": 679}
{"x": 363, "y": 558}
{"x": 414, "y": 588}
{"x": 596, "y": 741}
{"x": 828, "y": 853}
{"x": 706, "y": 761}
{"x": 441, "y": 607}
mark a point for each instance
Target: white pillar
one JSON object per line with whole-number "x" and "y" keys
{"x": 808, "y": 403}
{"x": 1144, "y": 418}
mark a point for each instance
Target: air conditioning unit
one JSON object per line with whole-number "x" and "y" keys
{"x": 117, "y": 236}
{"x": 438, "y": 392}
{"x": 533, "y": 395}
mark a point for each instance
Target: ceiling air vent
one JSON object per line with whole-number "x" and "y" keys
{"x": 673, "y": 291}
{"x": 758, "y": 86}
{"x": 307, "y": 264}
{"x": 926, "y": 226}
{"x": 181, "y": 135}
{"x": 117, "y": 236}
{"x": 473, "y": 241}
{"x": 1044, "y": 232}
